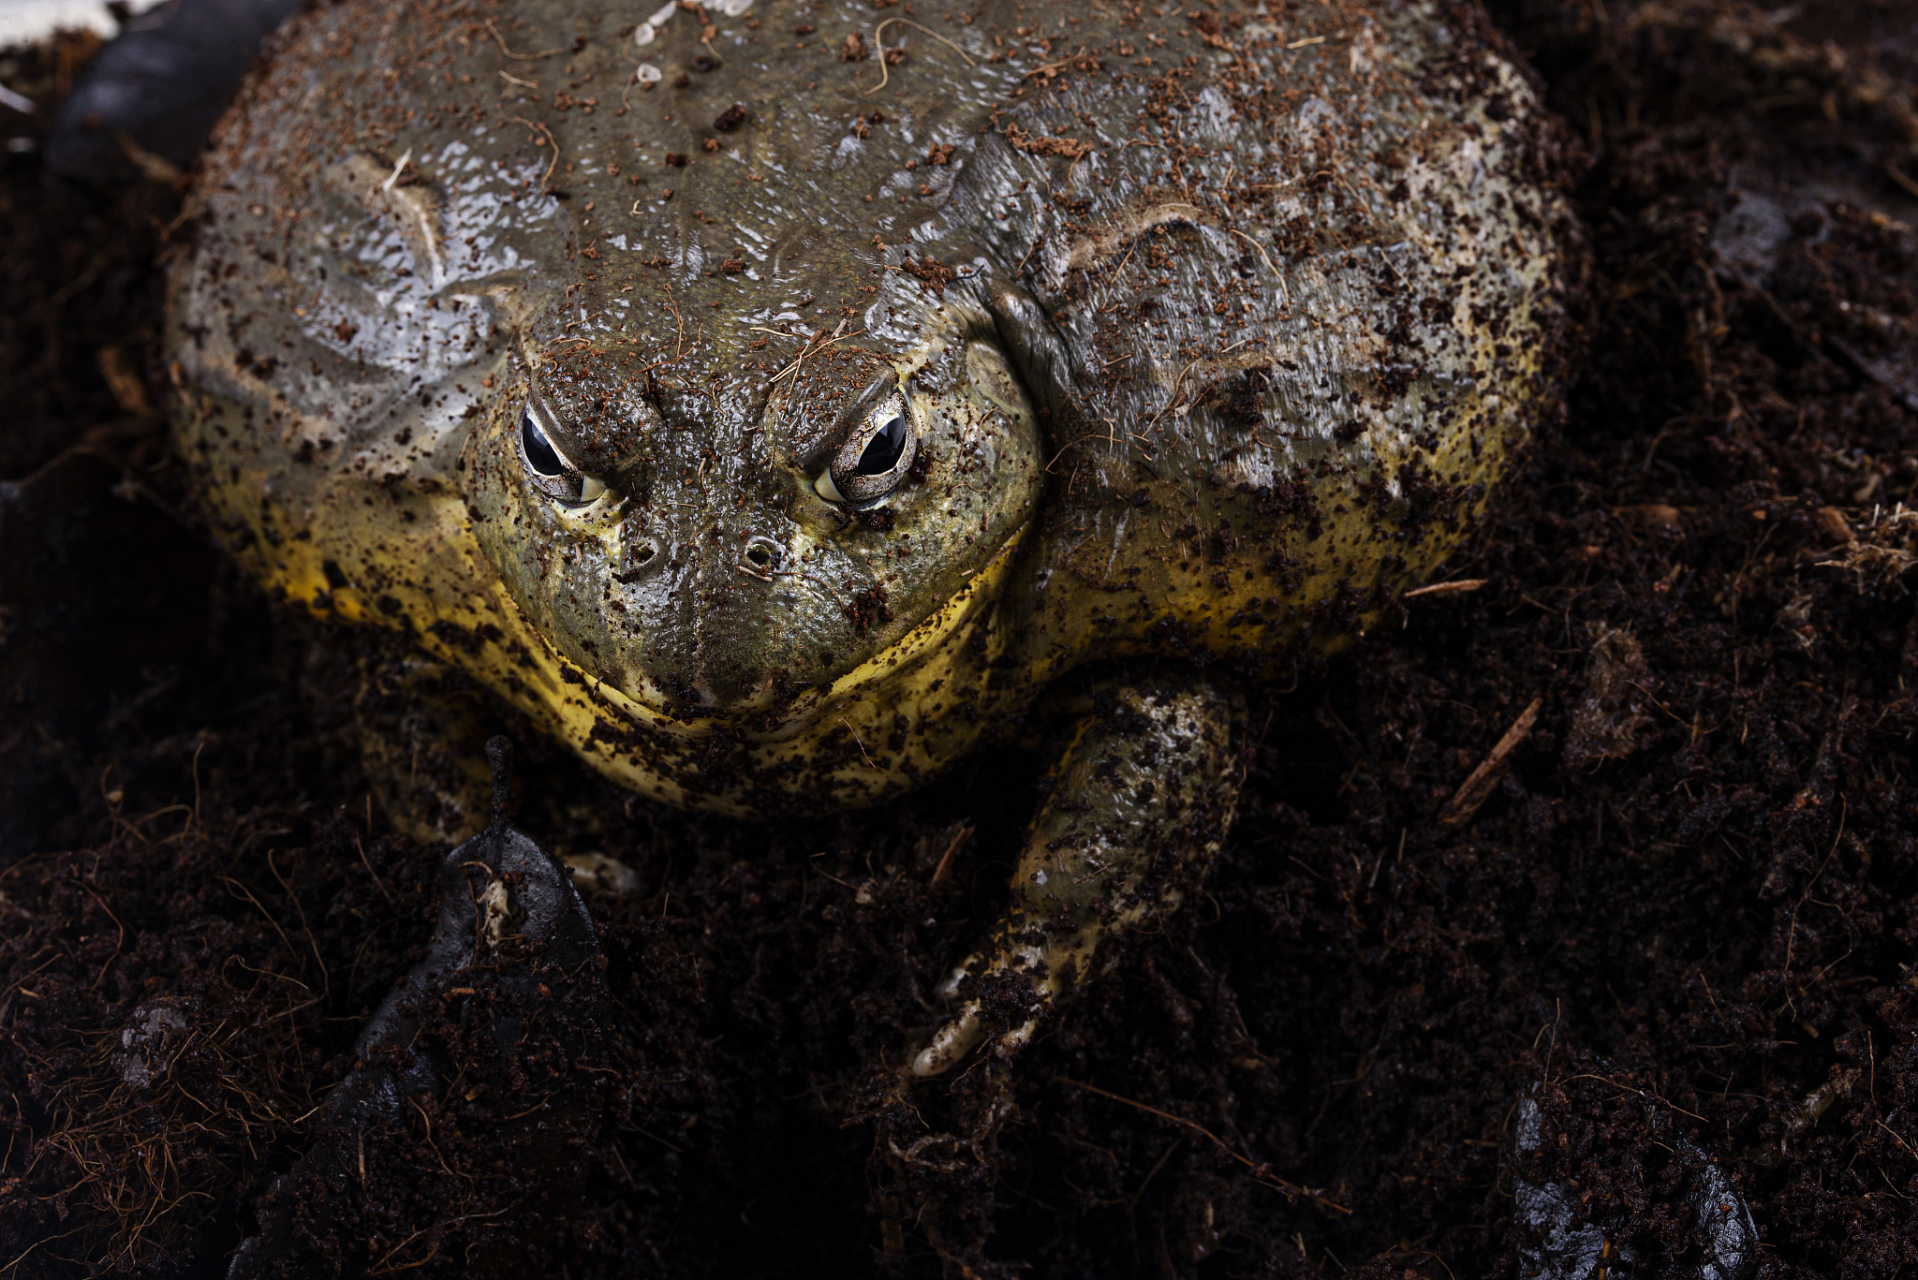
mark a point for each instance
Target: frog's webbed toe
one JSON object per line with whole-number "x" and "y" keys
{"x": 1135, "y": 811}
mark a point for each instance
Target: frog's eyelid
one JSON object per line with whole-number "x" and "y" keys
{"x": 857, "y": 415}
{"x": 826, "y": 489}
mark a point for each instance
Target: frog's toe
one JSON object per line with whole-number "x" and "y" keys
{"x": 1012, "y": 988}
{"x": 951, "y": 1042}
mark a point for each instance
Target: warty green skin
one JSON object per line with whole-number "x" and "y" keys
{"x": 1215, "y": 331}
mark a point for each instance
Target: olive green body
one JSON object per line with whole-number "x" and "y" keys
{"x": 1215, "y": 329}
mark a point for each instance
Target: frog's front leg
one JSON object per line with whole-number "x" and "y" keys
{"x": 1135, "y": 811}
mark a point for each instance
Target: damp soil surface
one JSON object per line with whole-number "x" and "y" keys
{"x": 1607, "y": 844}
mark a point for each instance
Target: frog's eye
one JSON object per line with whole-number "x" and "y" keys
{"x": 875, "y": 457}
{"x": 550, "y": 473}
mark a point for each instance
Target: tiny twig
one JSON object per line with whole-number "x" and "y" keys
{"x": 1285, "y": 294}
{"x": 1899, "y": 176}
{"x": 1895, "y": 1134}
{"x": 300, "y": 911}
{"x": 880, "y": 45}
{"x": 1173, "y": 400}
{"x": 1457, "y": 586}
{"x": 399, "y": 167}
{"x": 1080, "y": 57}
{"x": 1622, "y": 1087}
{"x": 116, "y": 924}
{"x": 862, "y": 746}
{"x": 1030, "y": 250}
{"x": 377, "y": 883}
{"x": 1791, "y": 930}
{"x": 1477, "y": 789}
{"x": 828, "y": 586}
{"x": 524, "y": 57}
{"x": 792, "y": 370}
{"x": 1257, "y": 1176}
{"x": 679, "y": 325}
{"x": 952, "y": 848}
{"x": 535, "y": 1107}
{"x": 550, "y": 164}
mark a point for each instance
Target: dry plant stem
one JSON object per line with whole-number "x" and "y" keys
{"x": 879, "y": 30}
{"x": 1477, "y": 789}
{"x": 524, "y": 57}
{"x": 1270, "y": 1181}
{"x": 958, "y": 841}
{"x": 546, "y": 177}
{"x": 1458, "y": 586}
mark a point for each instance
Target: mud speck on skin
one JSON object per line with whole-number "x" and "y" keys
{"x": 1687, "y": 909}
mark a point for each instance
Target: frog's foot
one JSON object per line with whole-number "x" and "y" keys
{"x": 1136, "y": 809}
{"x": 421, "y": 731}
{"x": 475, "y": 1058}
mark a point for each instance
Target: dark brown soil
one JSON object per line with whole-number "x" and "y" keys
{"x": 1685, "y": 910}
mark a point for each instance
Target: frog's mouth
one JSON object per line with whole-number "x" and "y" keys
{"x": 705, "y": 695}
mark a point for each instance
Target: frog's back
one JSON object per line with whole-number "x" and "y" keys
{"x": 1307, "y": 283}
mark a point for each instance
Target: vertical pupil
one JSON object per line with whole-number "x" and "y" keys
{"x": 539, "y": 451}
{"x": 883, "y": 450}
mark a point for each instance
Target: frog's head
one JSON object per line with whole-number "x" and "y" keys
{"x": 714, "y": 516}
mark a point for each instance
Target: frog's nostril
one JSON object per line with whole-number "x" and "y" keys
{"x": 637, "y": 557}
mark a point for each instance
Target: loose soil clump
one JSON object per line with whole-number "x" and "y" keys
{"x": 1594, "y": 872}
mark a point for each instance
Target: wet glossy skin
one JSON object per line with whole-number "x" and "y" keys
{"x": 1208, "y": 337}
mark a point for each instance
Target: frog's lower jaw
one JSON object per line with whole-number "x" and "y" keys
{"x": 1136, "y": 810}
{"x": 905, "y": 714}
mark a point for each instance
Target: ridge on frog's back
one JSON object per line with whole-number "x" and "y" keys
{"x": 772, "y": 435}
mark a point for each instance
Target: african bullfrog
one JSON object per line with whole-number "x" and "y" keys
{"x": 775, "y": 403}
